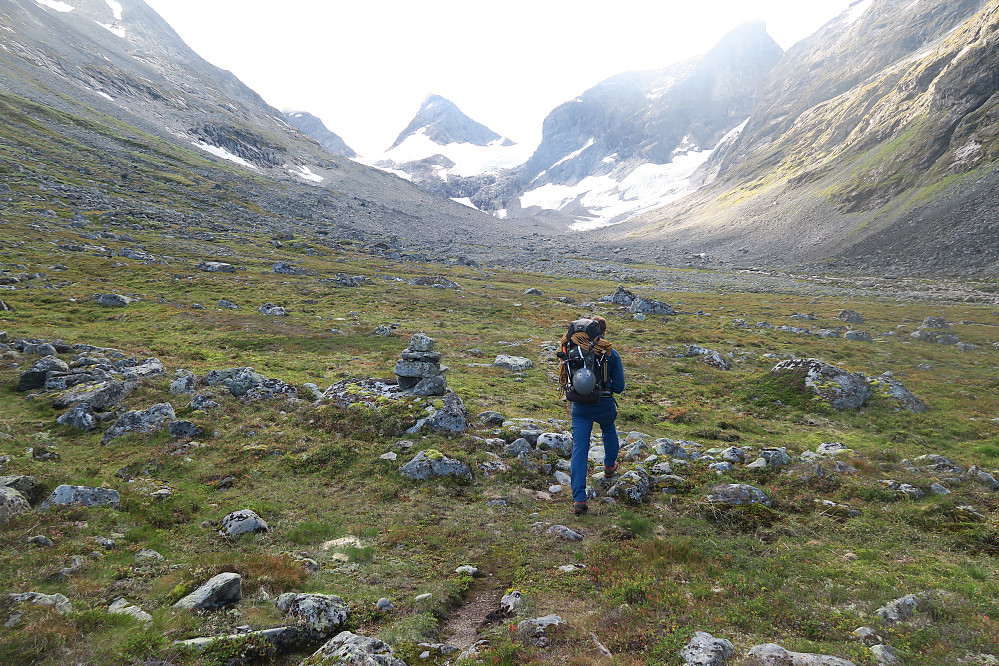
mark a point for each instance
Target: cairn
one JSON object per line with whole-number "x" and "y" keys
{"x": 419, "y": 368}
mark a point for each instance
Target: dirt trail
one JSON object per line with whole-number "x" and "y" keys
{"x": 462, "y": 627}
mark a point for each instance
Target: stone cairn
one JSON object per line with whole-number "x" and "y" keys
{"x": 419, "y": 369}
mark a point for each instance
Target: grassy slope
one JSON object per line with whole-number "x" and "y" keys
{"x": 652, "y": 574}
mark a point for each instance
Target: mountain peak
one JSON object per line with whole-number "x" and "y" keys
{"x": 444, "y": 123}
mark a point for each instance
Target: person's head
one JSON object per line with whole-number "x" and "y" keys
{"x": 603, "y": 323}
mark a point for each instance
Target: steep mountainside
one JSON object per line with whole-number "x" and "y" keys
{"x": 629, "y": 143}
{"x": 314, "y": 127}
{"x": 122, "y": 81}
{"x": 873, "y": 143}
{"x": 443, "y": 123}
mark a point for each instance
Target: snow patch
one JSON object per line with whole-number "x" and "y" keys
{"x": 464, "y": 201}
{"x": 105, "y": 95}
{"x": 56, "y": 5}
{"x": 113, "y": 28}
{"x": 574, "y": 154}
{"x": 469, "y": 159}
{"x": 610, "y": 200}
{"x": 960, "y": 55}
{"x": 856, "y": 10}
{"x": 911, "y": 5}
{"x": 610, "y": 159}
{"x": 394, "y": 172}
{"x": 116, "y": 8}
{"x": 304, "y": 172}
{"x": 501, "y": 213}
{"x": 223, "y": 153}
{"x": 664, "y": 87}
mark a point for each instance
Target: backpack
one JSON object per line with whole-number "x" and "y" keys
{"x": 585, "y": 369}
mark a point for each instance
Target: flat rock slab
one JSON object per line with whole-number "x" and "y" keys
{"x": 349, "y": 648}
{"x": 321, "y": 615}
{"x": 220, "y": 590}
{"x": 771, "y": 654}
{"x": 66, "y": 495}
{"x": 737, "y": 494}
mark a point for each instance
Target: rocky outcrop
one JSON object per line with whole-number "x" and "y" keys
{"x": 221, "y": 590}
{"x": 839, "y": 388}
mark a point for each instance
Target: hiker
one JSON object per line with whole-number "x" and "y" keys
{"x": 591, "y": 373}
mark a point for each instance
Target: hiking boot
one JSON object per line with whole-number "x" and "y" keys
{"x": 610, "y": 471}
{"x": 579, "y": 508}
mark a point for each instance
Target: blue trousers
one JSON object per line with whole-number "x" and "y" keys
{"x": 602, "y": 413}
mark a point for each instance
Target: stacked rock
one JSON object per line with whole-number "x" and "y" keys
{"x": 419, "y": 369}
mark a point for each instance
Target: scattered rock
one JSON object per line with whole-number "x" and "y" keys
{"x": 216, "y": 267}
{"x": 981, "y": 477}
{"x": 349, "y": 648}
{"x": 890, "y": 387}
{"x": 850, "y": 317}
{"x": 26, "y": 485}
{"x": 185, "y": 383}
{"x": 81, "y": 417}
{"x": 148, "y": 420}
{"x": 899, "y": 610}
{"x": 706, "y": 650}
{"x": 560, "y": 443}
{"x": 241, "y": 522}
{"x": 885, "y": 656}
{"x": 433, "y": 464}
{"x": 633, "y": 486}
{"x": 220, "y": 590}
{"x": 227, "y": 305}
{"x": 839, "y": 388}
{"x": 272, "y": 310}
{"x": 534, "y": 630}
{"x": 563, "y": 532}
{"x": 113, "y": 300}
{"x": 58, "y": 601}
{"x": 65, "y": 495}
{"x": 122, "y": 607}
{"x": 101, "y": 395}
{"x": 185, "y": 430}
{"x": 513, "y": 363}
{"x": 12, "y": 504}
{"x": 771, "y": 654}
{"x": 737, "y": 494}
{"x": 320, "y": 615}
{"x": 39, "y": 372}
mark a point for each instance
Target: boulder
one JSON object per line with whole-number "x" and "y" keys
{"x": 220, "y": 590}
{"x": 981, "y": 477}
{"x": 147, "y": 368}
{"x": 349, "y": 648}
{"x": 858, "y": 336}
{"x": 650, "y": 306}
{"x": 621, "y": 296}
{"x": 939, "y": 323}
{"x": 216, "y": 267}
{"x": 184, "y": 383}
{"x": 513, "y": 363}
{"x": 237, "y": 380}
{"x": 26, "y": 485}
{"x": 706, "y": 650}
{"x": 839, "y": 388}
{"x": 35, "y": 376}
{"x": 272, "y": 310}
{"x": 320, "y": 615}
{"x": 241, "y": 522}
{"x": 121, "y": 607}
{"x": 185, "y": 430}
{"x": 100, "y": 395}
{"x": 148, "y": 420}
{"x": 451, "y": 417}
{"x": 113, "y": 300}
{"x": 558, "y": 442}
{"x": 850, "y": 317}
{"x": 737, "y": 494}
{"x": 284, "y": 268}
{"x": 564, "y": 533}
{"x": 433, "y": 464}
{"x": 12, "y": 504}
{"x": 899, "y": 610}
{"x": 58, "y": 601}
{"x": 227, "y": 305}
{"x": 81, "y": 417}
{"x": 771, "y": 654}
{"x": 890, "y": 387}
{"x": 534, "y": 630}
{"x": 65, "y": 495}
{"x": 633, "y": 486}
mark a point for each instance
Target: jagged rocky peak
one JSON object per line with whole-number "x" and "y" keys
{"x": 444, "y": 123}
{"x": 314, "y": 127}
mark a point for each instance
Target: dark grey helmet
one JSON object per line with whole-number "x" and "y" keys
{"x": 584, "y": 381}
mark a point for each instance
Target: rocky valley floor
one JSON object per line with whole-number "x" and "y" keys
{"x": 182, "y": 486}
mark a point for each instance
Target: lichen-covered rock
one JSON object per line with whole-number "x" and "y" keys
{"x": 36, "y": 376}
{"x": 113, "y": 300}
{"x": 771, "y": 654}
{"x": 899, "y": 610}
{"x": 650, "y": 306}
{"x": 185, "y": 430}
{"x": 100, "y": 395}
{"x": 241, "y": 522}
{"x": 839, "y": 388}
{"x": 513, "y": 363}
{"x": 432, "y": 464}
{"x": 65, "y": 495}
{"x": 559, "y": 442}
{"x": 318, "y": 614}
{"x": 58, "y": 601}
{"x": 981, "y": 477}
{"x": 890, "y": 387}
{"x": 220, "y": 590}
{"x": 349, "y": 649}
{"x": 737, "y": 494}
{"x": 565, "y": 533}
{"x": 237, "y": 380}
{"x": 451, "y": 417}
{"x": 122, "y": 607}
{"x": 26, "y": 485}
{"x": 12, "y": 504}
{"x": 216, "y": 267}
{"x": 271, "y": 310}
{"x": 184, "y": 383}
{"x": 850, "y": 317}
{"x": 81, "y": 417}
{"x": 633, "y": 486}
{"x": 706, "y": 650}
{"x": 534, "y": 630}
{"x": 147, "y": 420}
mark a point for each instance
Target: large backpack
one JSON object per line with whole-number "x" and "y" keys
{"x": 587, "y": 367}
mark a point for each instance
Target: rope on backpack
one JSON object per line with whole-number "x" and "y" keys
{"x": 600, "y": 347}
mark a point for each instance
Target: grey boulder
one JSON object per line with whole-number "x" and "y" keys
{"x": 58, "y": 601}
{"x": 272, "y": 310}
{"x": 101, "y": 396}
{"x": 318, "y": 614}
{"x": 242, "y": 522}
{"x": 347, "y": 648}
{"x": 737, "y": 494}
{"x": 434, "y": 464}
{"x": 220, "y": 590}
{"x": 560, "y": 443}
{"x": 839, "y": 388}
{"x": 706, "y": 650}
{"x": 513, "y": 363}
{"x": 891, "y": 388}
{"x": 12, "y": 504}
{"x": 147, "y": 420}
{"x": 771, "y": 654}
{"x": 65, "y": 495}
{"x": 24, "y": 484}
{"x": 81, "y": 417}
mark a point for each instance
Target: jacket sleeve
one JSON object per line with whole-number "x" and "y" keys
{"x": 616, "y": 373}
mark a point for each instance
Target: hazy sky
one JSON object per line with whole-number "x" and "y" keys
{"x": 364, "y": 66}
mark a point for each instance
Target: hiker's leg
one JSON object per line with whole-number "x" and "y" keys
{"x": 581, "y": 429}
{"x": 608, "y": 433}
